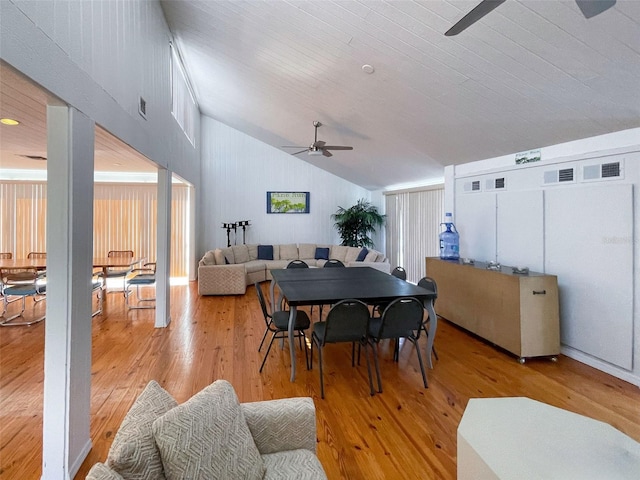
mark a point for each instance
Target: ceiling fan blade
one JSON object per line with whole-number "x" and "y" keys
{"x": 326, "y": 153}
{"x": 318, "y": 144}
{"x": 301, "y": 151}
{"x": 474, "y": 15}
{"x": 591, "y": 8}
{"x": 337, "y": 147}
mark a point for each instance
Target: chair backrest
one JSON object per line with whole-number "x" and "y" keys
{"x": 430, "y": 284}
{"x": 6, "y": 255}
{"x": 120, "y": 253}
{"x": 401, "y": 318}
{"x": 297, "y": 264}
{"x": 333, "y": 262}
{"x": 400, "y": 273}
{"x": 347, "y": 321}
{"x": 263, "y": 304}
{"x": 37, "y": 255}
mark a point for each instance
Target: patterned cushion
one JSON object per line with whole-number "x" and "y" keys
{"x": 298, "y": 464}
{"x": 240, "y": 253}
{"x": 207, "y": 437}
{"x": 101, "y": 472}
{"x": 289, "y": 252}
{"x": 133, "y": 453}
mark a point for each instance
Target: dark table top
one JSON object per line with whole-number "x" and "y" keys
{"x": 320, "y": 286}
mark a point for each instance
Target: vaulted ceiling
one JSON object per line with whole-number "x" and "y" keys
{"x": 528, "y": 75}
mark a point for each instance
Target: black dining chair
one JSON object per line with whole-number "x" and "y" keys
{"x": 347, "y": 321}
{"x": 430, "y": 284}
{"x": 278, "y": 324}
{"x": 402, "y": 318}
{"x": 297, "y": 264}
{"x": 331, "y": 263}
{"x": 400, "y": 273}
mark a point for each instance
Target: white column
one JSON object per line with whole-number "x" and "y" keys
{"x": 163, "y": 234}
{"x": 67, "y": 352}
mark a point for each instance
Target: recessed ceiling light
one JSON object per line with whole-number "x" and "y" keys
{"x": 9, "y": 121}
{"x": 368, "y": 69}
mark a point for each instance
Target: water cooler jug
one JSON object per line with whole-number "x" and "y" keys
{"x": 449, "y": 240}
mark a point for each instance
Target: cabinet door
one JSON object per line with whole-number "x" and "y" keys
{"x": 589, "y": 246}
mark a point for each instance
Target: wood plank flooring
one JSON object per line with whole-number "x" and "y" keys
{"x": 406, "y": 432}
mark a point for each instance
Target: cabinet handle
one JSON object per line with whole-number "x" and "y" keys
{"x": 539, "y": 292}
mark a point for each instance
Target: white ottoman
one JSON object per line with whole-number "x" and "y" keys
{"x": 521, "y": 439}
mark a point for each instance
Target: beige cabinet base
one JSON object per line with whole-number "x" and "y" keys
{"x": 519, "y": 313}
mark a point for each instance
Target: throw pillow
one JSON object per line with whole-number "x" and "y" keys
{"x": 265, "y": 252}
{"x": 362, "y": 255}
{"x": 207, "y": 437}
{"x": 322, "y": 254}
{"x": 218, "y": 255}
{"x": 133, "y": 453}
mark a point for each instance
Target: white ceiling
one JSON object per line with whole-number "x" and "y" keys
{"x": 528, "y": 75}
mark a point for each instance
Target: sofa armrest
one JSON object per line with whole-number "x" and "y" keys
{"x": 222, "y": 279}
{"x": 280, "y": 425}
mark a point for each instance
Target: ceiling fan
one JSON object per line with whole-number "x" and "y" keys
{"x": 589, "y": 8}
{"x": 318, "y": 147}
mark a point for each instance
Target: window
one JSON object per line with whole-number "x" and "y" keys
{"x": 183, "y": 104}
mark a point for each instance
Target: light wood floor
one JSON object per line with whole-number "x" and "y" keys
{"x": 406, "y": 432}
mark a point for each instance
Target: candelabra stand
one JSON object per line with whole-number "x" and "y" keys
{"x": 234, "y": 226}
{"x": 229, "y": 226}
{"x": 244, "y": 224}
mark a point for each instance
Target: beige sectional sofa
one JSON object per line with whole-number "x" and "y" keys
{"x": 228, "y": 271}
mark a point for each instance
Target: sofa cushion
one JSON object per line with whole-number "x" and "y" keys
{"x": 240, "y": 253}
{"x": 372, "y": 256}
{"x": 254, "y": 266}
{"x": 299, "y": 464}
{"x": 253, "y": 251}
{"x": 289, "y": 252}
{"x": 133, "y": 453}
{"x": 321, "y": 253}
{"x": 362, "y": 255}
{"x": 101, "y": 472}
{"x": 208, "y": 437}
{"x": 339, "y": 252}
{"x": 265, "y": 252}
{"x": 219, "y": 256}
{"x": 209, "y": 258}
{"x": 228, "y": 255}
{"x": 306, "y": 250}
{"x": 352, "y": 254}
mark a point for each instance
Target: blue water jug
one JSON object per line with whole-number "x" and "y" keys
{"x": 449, "y": 240}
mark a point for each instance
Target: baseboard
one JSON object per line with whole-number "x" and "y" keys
{"x": 582, "y": 357}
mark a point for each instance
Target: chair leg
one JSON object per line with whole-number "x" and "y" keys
{"x": 366, "y": 355}
{"x": 303, "y": 337}
{"x": 374, "y": 345}
{"x": 424, "y": 375}
{"x": 263, "y": 337}
{"x": 266, "y": 355}
{"x": 8, "y": 322}
{"x": 321, "y": 377}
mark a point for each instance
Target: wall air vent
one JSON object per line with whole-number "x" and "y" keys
{"x": 473, "y": 186}
{"x": 500, "y": 182}
{"x": 602, "y": 171}
{"x": 142, "y": 107}
{"x": 495, "y": 183}
{"x": 565, "y": 175}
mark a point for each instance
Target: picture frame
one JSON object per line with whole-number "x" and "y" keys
{"x": 288, "y": 202}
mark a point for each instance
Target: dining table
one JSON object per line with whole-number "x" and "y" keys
{"x": 326, "y": 286}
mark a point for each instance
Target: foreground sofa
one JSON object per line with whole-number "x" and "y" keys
{"x": 229, "y": 271}
{"x": 213, "y": 436}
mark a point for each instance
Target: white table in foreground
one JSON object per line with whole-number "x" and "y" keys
{"x": 519, "y": 438}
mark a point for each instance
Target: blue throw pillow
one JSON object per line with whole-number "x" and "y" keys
{"x": 322, "y": 254}
{"x": 363, "y": 253}
{"x": 265, "y": 252}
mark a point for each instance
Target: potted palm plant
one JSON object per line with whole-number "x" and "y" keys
{"x": 356, "y": 223}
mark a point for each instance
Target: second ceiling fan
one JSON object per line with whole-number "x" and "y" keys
{"x": 318, "y": 147}
{"x": 589, "y": 8}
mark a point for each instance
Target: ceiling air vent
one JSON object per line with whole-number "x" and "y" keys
{"x": 602, "y": 171}
{"x": 565, "y": 175}
{"x": 611, "y": 169}
{"x": 473, "y": 186}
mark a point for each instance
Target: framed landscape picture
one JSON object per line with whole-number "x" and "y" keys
{"x": 287, "y": 202}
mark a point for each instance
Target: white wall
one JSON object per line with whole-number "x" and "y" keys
{"x": 237, "y": 172}
{"x": 586, "y": 232}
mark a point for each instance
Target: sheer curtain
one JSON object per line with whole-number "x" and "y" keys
{"x": 124, "y": 218}
{"x": 413, "y": 228}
